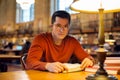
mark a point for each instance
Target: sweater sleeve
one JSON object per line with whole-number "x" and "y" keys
{"x": 34, "y": 55}
{"x": 80, "y": 52}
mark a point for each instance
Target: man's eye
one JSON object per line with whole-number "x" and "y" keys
{"x": 66, "y": 26}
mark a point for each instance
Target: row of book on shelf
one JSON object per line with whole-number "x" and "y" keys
{"x": 111, "y": 65}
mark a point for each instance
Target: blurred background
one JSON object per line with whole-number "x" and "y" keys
{"x": 21, "y": 20}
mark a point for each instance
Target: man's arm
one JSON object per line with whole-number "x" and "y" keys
{"x": 35, "y": 54}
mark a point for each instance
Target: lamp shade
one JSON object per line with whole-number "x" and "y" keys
{"x": 93, "y": 6}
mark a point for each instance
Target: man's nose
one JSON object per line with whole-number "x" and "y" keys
{"x": 62, "y": 29}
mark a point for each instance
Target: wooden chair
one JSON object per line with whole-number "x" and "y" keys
{"x": 3, "y": 67}
{"x": 23, "y": 60}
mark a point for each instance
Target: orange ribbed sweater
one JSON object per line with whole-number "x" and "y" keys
{"x": 44, "y": 50}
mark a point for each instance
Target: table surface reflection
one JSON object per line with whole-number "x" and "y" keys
{"x": 41, "y": 75}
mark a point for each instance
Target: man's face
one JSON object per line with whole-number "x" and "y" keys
{"x": 60, "y": 28}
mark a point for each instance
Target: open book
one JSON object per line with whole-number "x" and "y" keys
{"x": 72, "y": 67}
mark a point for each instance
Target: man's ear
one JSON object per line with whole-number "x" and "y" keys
{"x": 50, "y": 26}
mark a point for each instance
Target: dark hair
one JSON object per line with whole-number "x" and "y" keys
{"x": 62, "y": 14}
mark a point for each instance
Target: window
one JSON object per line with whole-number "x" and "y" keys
{"x": 65, "y": 5}
{"x": 24, "y": 15}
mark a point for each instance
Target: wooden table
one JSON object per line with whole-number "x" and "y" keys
{"x": 39, "y": 75}
{"x": 7, "y": 56}
{"x": 10, "y": 50}
{"x": 4, "y": 57}
{"x": 14, "y": 51}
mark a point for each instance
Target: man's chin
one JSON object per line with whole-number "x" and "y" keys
{"x": 61, "y": 37}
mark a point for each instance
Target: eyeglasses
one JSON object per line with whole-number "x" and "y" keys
{"x": 59, "y": 26}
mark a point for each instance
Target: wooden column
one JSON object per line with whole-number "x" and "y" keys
{"x": 42, "y": 12}
{"x": 7, "y": 15}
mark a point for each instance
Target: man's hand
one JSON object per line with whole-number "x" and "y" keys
{"x": 86, "y": 62}
{"x": 55, "y": 67}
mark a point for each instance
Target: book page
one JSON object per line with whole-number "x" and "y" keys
{"x": 72, "y": 67}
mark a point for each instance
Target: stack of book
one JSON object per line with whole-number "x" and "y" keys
{"x": 111, "y": 64}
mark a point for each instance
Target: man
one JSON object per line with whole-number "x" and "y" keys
{"x": 49, "y": 51}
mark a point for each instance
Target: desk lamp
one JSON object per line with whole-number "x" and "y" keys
{"x": 100, "y": 7}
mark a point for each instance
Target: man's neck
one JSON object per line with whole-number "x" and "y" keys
{"x": 56, "y": 41}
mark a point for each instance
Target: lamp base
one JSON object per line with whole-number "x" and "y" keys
{"x": 101, "y": 77}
